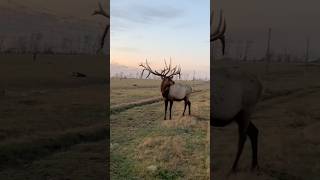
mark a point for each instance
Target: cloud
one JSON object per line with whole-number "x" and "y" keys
{"x": 144, "y": 13}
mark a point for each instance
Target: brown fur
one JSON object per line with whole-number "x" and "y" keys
{"x": 250, "y": 90}
{"x": 169, "y": 90}
{"x": 165, "y": 89}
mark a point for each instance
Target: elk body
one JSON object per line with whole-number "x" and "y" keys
{"x": 233, "y": 99}
{"x": 170, "y": 90}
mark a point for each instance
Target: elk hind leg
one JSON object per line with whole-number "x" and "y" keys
{"x": 189, "y": 104}
{"x": 253, "y": 135}
{"x": 242, "y": 120}
{"x": 185, "y": 106}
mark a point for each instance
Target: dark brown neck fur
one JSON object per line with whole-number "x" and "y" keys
{"x": 165, "y": 86}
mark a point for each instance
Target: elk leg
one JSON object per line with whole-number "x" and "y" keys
{"x": 171, "y": 103}
{"x": 165, "y": 109}
{"x": 242, "y": 140}
{"x": 185, "y": 106}
{"x": 242, "y": 127}
{"x": 189, "y": 103}
{"x": 253, "y": 135}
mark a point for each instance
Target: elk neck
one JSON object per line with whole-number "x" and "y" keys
{"x": 165, "y": 87}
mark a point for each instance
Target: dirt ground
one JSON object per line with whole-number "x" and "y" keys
{"x": 53, "y": 125}
{"x": 288, "y": 121}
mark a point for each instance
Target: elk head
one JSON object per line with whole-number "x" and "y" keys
{"x": 100, "y": 11}
{"x": 218, "y": 33}
{"x": 166, "y": 74}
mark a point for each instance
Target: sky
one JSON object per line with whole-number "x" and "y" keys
{"x": 292, "y": 21}
{"x": 157, "y": 30}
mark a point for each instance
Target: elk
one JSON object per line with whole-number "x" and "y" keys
{"x": 100, "y": 11}
{"x": 170, "y": 90}
{"x": 234, "y": 97}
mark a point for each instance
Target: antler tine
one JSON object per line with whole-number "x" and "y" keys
{"x": 219, "y": 24}
{"x": 168, "y": 69}
{"x": 101, "y": 11}
{"x": 144, "y": 68}
{"x": 163, "y": 72}
{"x": 220, "y": 31}
{"x": 165, "y": 62}
{"x": 175, "y": 71}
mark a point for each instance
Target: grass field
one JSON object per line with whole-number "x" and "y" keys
{"x": 144, "y": 146}
{"x": 288, "y": 120}
{"x": 53, "y": 125}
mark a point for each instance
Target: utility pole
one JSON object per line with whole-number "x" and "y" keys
{"x": 228, "y": 46}
{"x": 306, "y": 63}
{"x": 307, "y": 52}
{"x": 268, "y": 55}
{"x": 246, "y": 50}
{"x": 238, "y": 50}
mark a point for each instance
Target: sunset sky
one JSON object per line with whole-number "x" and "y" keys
{"x": 158, "y": 30}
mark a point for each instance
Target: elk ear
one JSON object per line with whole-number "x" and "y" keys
{"x": 162, "y": 77}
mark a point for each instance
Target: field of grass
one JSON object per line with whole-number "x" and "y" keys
{"x": 53, "y": 125}
{"x": 144, "y": 146}
{"x": 288, "y": 121}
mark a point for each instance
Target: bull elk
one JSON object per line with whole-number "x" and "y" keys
{"x": 234, "y": 97}
{"x": 170, "y": 90}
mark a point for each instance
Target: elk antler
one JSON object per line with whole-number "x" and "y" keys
{"x": 167, "y": 71}
{"x": 103, "y": 13}
{"x": 172, "y": 72}
{"x": 146, "y": 67}
{"x": 218, "y": 34}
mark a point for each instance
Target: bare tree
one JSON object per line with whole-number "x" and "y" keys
{"x": 36, "y": 39}
{"x": 1, "y": 43}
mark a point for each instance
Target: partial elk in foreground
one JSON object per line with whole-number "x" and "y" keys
{"x": 170, "y": 90}
{"x": 234, "y": 97}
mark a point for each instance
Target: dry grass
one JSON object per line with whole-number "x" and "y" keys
{"x": 152, "y": 148}
{"x": 183, "y": 122}
{"x": 46, "y": 113}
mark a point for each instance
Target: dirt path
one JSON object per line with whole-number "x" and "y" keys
{"x": 125, "y": 106}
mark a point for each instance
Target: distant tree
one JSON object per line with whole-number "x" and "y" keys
{"x": 1, "y": 44}
{"x": 35, "y": 40}
{"x": 22, "y": 44}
